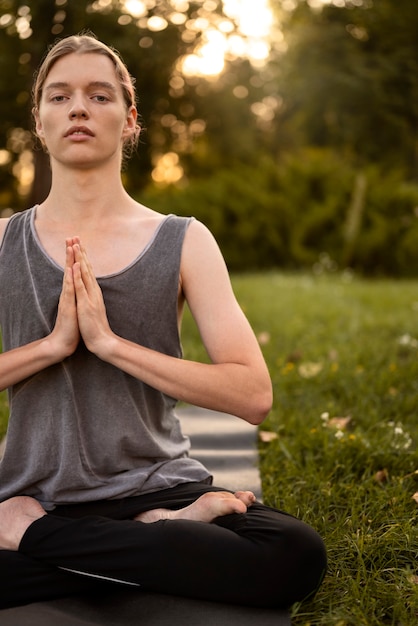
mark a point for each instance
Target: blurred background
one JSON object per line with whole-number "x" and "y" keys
{"x": 289, "y": 127}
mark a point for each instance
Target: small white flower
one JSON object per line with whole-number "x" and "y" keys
{"x": 407, "y": 340}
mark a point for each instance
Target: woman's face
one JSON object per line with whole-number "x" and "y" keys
{"x": 82, "y": 119}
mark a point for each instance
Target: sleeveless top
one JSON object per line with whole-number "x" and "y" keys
{"x": 84, "y": 430}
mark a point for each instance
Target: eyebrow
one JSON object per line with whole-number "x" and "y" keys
{"x": 102, "y": 84}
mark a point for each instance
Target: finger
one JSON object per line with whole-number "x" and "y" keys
{"x": 67, "y": 280}
{"x": 84, "y": 267}
{"x": 69, "y": 256}
{"x": 77, "y": 277}
{"x": 71, "y": 241}
{"x": 82, "y": 257}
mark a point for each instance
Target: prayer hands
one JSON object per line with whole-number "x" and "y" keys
{"x": 81, "y": 308}
{"x": 91, "y": 311}
{"x": 66, "y": 334}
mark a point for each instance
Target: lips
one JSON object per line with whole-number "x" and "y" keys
{"x": 78, "y": 131}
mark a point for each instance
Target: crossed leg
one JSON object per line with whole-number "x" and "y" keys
{"x": 77, "y": 546}
{"x": 18, "y": 513}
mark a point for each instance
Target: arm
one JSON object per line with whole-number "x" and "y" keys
{"x": 237, "y": 380}
{"x": 18, "y": 364}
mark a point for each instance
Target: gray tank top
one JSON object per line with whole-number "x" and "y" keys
{"x": 83, "y": 430}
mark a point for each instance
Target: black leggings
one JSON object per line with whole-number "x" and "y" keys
{"x": 262, "y": 558}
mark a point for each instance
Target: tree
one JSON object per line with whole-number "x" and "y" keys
{"x": 349, "y": 80}
{"x": 183, "y": 114}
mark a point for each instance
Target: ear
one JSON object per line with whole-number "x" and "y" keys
{"x": 131, "y": 127}
{"x": 38, "y": 125}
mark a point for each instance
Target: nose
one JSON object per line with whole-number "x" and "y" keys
{"x": 78, "y": 110}
{"x": 78, "y": 113}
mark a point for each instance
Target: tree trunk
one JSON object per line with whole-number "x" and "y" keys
{"x": 354, "y": 217}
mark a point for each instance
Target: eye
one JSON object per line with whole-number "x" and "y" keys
{"x": 101, "y": 98}
{"x": 58, "y": 98}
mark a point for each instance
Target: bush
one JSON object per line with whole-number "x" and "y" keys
{"x": 289, "y": 214}
{"x": 240, "y": 207}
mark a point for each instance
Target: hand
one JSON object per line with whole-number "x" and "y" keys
{"x": 66, "y": 335}
{"x": 91, "y": 311}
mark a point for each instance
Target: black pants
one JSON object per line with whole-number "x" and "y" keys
{"x": 262, "y": 558}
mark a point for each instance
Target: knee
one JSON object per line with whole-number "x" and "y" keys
{"x": 295, "y": 563}
{"x": 307, "y": 562}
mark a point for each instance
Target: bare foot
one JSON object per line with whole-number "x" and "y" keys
{"x": 205, "y": 509}
{"x": 16, "y": 515}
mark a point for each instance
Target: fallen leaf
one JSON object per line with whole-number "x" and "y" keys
{"x": 263, "y": 338}
{"x": 382, "y": 476}
{"x": 340, "y": 423}
{"x": 412, "y": 474}
{"x": 309, "y": 370}
{"x": 415, "y": 497}
{"x": 294, "y": 356}
{"x": 267, "y": 435}
{"x": 333, "y": 355}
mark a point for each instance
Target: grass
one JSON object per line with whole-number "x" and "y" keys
{"x": 341, "y": 347}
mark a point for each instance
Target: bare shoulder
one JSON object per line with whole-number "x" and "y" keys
{"x": 3, "y": 223}
{"x": 203, "y": 268}
{"x": 198, "y": 229}
{"x": 200, "y": 243}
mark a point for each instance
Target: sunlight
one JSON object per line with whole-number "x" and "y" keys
{"x": 5, "y": 157}
{"x": 242, "y": 33}
{"x": 318, "y": 4}
{"x": 254, "y": 29}
{"x": 251, "y": 23}
{"x": 157, "y": 23}
{"x": 209, "y": 57}
{"x": 250, "y": 40}
{"x": 136, "y": 8}
{"x": 167, "y": 169}
{"x": 24, "y": 170}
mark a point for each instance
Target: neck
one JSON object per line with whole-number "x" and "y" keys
{"x": 85, "y": 194}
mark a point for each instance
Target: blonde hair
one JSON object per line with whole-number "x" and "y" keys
{"x": 87, "y": 43}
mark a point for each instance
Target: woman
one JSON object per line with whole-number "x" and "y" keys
{"x": 96, "y": 483}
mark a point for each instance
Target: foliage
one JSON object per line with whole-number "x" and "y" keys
{"x": 175, "y": 109}
{"x": 339, "y": 448}
{"x": 304, "y": 211}
{"x": 349, "y": 80}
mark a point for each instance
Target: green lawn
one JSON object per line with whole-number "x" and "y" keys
{"x": 341, "y": 347}
{"x": 346, "y": 348}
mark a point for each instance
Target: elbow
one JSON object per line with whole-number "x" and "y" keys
{"x": 260, "y": 407}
